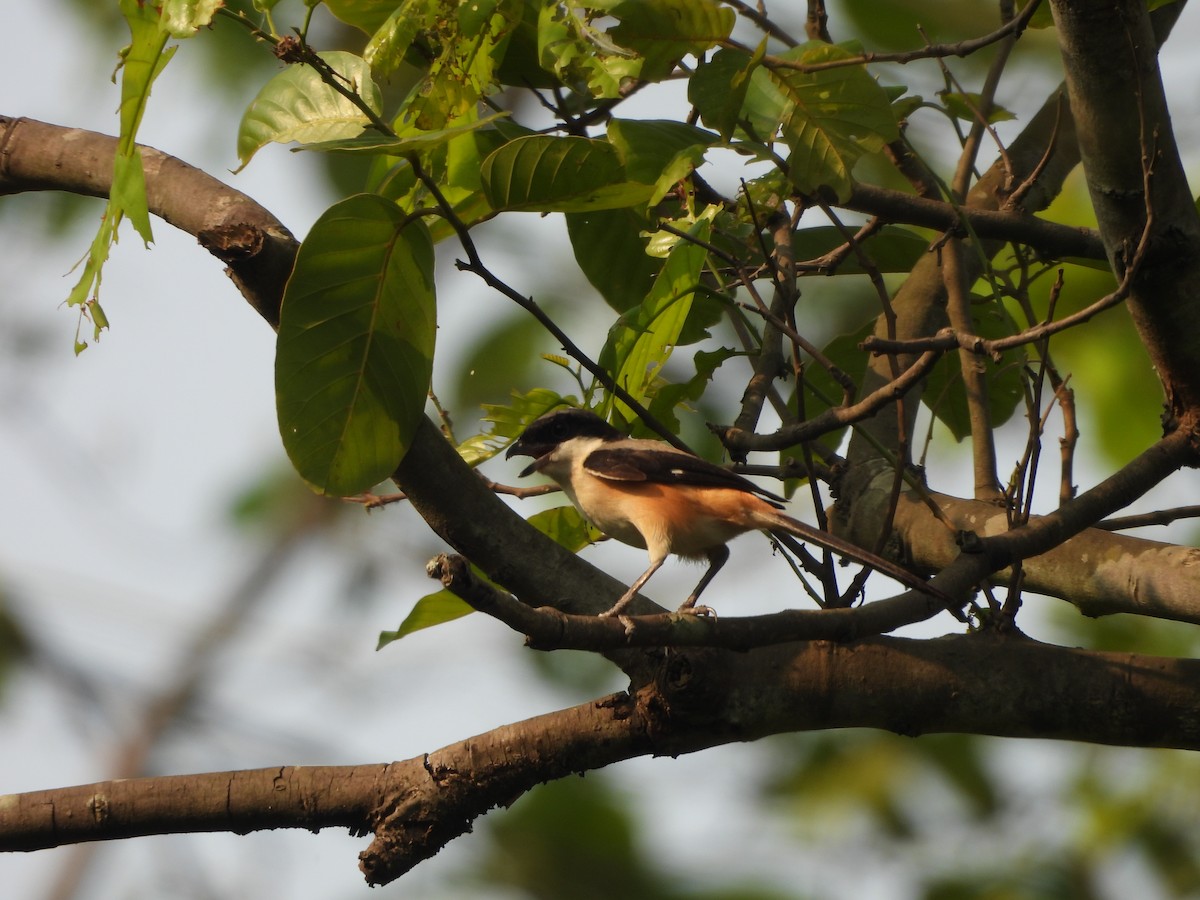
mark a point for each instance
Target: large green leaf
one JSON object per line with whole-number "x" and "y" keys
{"x": 830, "y": 117}
{"x": 611, "y": 251}
{"x": 296, "y": 105}
{"x": 541, "y": 173}
{"x": 355, "y": 349}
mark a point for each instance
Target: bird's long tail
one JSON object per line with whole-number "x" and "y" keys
{"x": 785, "y": 527}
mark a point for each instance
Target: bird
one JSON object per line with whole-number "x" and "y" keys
{"x": 649, "y": 494}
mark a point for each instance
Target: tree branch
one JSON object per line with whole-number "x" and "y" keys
{"x": 418, "y": 805}
{"x": 1109, "y": 51}
{"x": 255, "y": 246}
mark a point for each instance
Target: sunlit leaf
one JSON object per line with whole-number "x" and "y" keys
{"x": 355, "y": 347}
{"x": 430, "y": 610}
{"x": 141, "y": 63}
{"x": 507, "y": 421}
{"x": 385, "y": 51}
{"x": 373, "y": 142}
{"x": 662, "y": 32}
{"x": 581, "y": 56}
{"x": 296, "y": 105}
{"x": 643, "y": 339}
{"x": 831, "y": 117}
{"x": 183, "y": 18}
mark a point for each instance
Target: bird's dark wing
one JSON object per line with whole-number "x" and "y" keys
{"x": 669, "y": 467}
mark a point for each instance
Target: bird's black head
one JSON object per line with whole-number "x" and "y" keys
{"x": 554, "y": 428}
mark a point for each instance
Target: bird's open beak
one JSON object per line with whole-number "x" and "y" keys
{"x": 538, "y": 452}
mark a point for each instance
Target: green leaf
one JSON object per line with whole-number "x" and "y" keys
{"x": 141, "y": 63}
{"x": 963, "y": 105}
{"x": 507, "y": 422}
{"x": 831, "y": 117}
{"x": 646, "y": 147}
{"x": 642, "y": 340}
{"x": 430, "y": 610}
{"x": 469, "y": 44}
{"x": 296, "y": 105}
{"x": 718, "y": 89}
{"x": 541, "y": 173}
{"x": 670, "y": 396}
{"x": 355, "y": 347}
{"x": 128, "y": 193}
{"x": 658, "y": 152}
{"x": 367, "y": 15}
{"x": 944, "y": 392}
{"x": 662, "y": 32}
{"x": 521, "y": 65}
{"x": 373, "y": 142}
{"x": 385, "y": 51}
{"x": 183, "y": 18}
{"x": 564, "y": 525}
{"x": 581, "y": 56}
{"x": 611, "y": 251}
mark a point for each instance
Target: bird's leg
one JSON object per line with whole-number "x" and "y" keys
{"x": 627, "y": 597}
{"x": 717, "y": 557}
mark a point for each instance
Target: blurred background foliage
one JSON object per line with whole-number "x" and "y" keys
{"x": 947, "y": 817}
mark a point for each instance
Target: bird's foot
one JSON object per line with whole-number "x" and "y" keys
{"x": 618, "y": 607}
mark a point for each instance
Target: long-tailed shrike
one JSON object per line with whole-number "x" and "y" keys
{"x": 648, "y": 494}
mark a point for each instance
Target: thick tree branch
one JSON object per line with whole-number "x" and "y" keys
{"x": 258, "y": 250}
{"x": 1109, "y": 51}
{"x": 1048, "y": 238}
{"x": 416, "y": 806}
